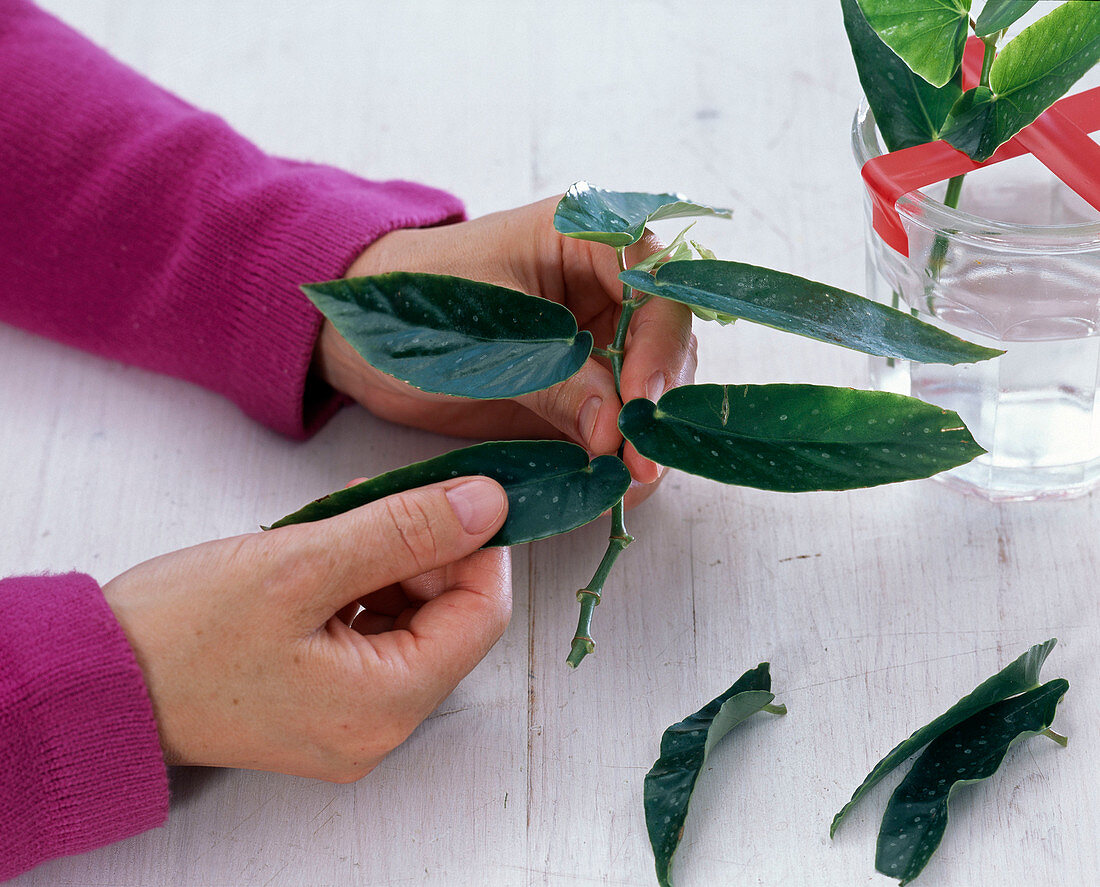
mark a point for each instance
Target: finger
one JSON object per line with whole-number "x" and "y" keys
{"x": 584, "y": 407}
{"x": 661, "y": 354}
{"x": 350, "y": 555}
{"x": 447, "y": 636}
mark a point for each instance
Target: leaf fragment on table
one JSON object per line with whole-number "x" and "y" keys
{"x": 684, "y": 750}
{"x": 1034, "y": 70}
{"x": 551, "y": 485}
{"x": 806, "y": 308}
{"x": 997, "y": 15}
{"x": 449, "y": 335}
{"x": 908, "y": 109}
{"x": 797, "y": 438}
{"x": 916, "y": 814}
{"x": 1020, "y": 675}
{"x": 618, "y": 218}
{"x": 929, "y": 35}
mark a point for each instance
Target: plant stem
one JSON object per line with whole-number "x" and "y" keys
{"x": 938, "y": 255}
{"x": 1057, "y": 737}
{"x": 589, "y": 596}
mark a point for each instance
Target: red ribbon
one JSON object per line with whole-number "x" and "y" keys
{"x": 1058, "y": 139}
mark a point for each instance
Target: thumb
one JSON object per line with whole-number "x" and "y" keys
{"x": 585, "y": 407}
{"x": 397, "y": 538}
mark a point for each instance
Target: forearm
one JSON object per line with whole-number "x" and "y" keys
{"x": 137, "y": 227}
{"x": 80, "y": 761}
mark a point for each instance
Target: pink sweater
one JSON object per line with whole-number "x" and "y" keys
{"x": 139, "y": 228}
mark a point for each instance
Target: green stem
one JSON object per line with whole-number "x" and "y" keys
{"x": 1057, "y": 737}
{"x": 938, "y": 256}
{"x": 589, "y": 596}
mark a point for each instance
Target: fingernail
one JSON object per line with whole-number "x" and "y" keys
{"x": 655, "y": 387}
{"x": 586, "y": 422}
{"x": 477, "y": 504}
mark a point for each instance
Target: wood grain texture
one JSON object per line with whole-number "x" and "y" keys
{"x": 876, "y": 608}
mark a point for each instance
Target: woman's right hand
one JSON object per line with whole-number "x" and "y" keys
{"x": 246, "y": 647}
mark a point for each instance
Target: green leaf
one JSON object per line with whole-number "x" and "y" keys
{"x": 552, "y": 487}
{"x": 797, "y": 438}
{"x": 1028, "y": 76}
{"x": 929, "y": 35}
{"x": 684, "y": 750}
{"x": 1016, "y": 677}
{"x": 454, "y": 336}
{"x": 916, "y": 815}
{"x": 806, "y": 308}
{"x": 908, "y": 109}
{"x": 999, "y": 14}
{"x": 677, "y": 250}
{"x": 618, "y": 218}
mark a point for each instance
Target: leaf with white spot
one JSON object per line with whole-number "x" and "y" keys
{"x": 1020, "y": 675}
{"x": 551, "y": 485}
{"x": 797, "y": 438}
{"x": 618, "y": 218}
{"x": 449, "y": 335}
{"x": 805, "y": 308}
{"x": 684, "y": 750}
{"x": 916, "y": 815}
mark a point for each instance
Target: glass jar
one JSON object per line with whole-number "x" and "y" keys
{"x": 1016, "y": 267}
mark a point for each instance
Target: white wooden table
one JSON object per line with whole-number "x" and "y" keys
{"x": 877, "y": 609}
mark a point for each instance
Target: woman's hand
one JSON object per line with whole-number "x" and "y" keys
{"x": 247, "y": 650}
{"x": 520, "y": 249}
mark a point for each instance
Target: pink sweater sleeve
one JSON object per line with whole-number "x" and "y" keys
{"x": 80, "y": 763}
{"x": 139, "y": 228}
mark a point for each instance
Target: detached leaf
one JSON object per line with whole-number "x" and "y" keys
{"x": 1028, "y": 76}
{"x": 684, "y": 750}
{"x": 1016, "y": 677}
{"x": 552, "y": 488}
{"x": 916, "y": 815}
{"x": 999, "y": 14}
{"x": 618, "y": 218}
{"x": 454, "y": 336}
{"x": 929, "y": 35}
{"x": 797, "y": 438}
{"x": 908, "y": 109}
{"x": 805, "y": 308}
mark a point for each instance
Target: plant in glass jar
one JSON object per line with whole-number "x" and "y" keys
{"x": 1010, "y": 260}
{"x": 464, "y": 338}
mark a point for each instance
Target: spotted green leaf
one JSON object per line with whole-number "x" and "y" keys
{"x": 449, "y": 335}
{"x": 1028, "y": 76}
{"x": 684, "y": 750}
{"x": 908, "y": 109}
{"x": 916, "y": 814}
{"x": 997, "y": 15}
{"x": 618, "y": 218}
{"x": 797, "y": 438}
{"x": 1018, "y": 676}
{"x": 552, "y": 487}
{"x": 796, "y": 305}
{"x": 929, "y": 35}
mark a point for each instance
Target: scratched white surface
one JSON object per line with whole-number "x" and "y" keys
{"x": 877, "y": 609}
